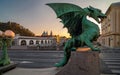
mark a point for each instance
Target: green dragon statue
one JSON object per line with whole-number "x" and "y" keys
{"x": 82, "y": 31}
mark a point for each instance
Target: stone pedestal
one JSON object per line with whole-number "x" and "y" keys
{"x": 82, "y": 63}
{"x": 8, "y": 67}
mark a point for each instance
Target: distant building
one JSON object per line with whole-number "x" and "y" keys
{"x": 111, "y": 27}
{"x": 44, "y": 40}
{"x": 51, "y": 34}
{"x": 45, "y": 34}
{"x": 28, "y": 41}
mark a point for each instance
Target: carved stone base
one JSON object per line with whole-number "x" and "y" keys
{"x": 82, "y": 63}
{"x": 7, "y": 67}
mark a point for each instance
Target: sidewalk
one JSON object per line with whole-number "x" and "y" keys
{"x": 45, "y": 71}
{"x": 25, "y": 71}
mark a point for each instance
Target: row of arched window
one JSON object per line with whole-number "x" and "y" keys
{"x": 31, "y": 42}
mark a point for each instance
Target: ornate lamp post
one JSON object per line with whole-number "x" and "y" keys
{"x": 5, "y": 40}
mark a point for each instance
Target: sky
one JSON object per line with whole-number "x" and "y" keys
{"x": 38, "y": 17}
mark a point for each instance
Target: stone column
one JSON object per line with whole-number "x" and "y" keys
{"x": 82, "y": 63}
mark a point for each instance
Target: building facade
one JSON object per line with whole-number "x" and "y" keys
{"x": 25, "y": 42}
{"x": 33, "y": 41}
{"x": 111, "y": 27}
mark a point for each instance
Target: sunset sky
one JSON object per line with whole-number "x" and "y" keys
{"x": 38, "y": 17}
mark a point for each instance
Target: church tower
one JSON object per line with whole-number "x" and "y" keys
{"x": 51, "y": 34}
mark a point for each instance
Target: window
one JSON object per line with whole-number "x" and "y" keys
{"x": 23, "y": 42}
{"x": 109, "y": 41}
{"x": 37, "y": 42}
{"x": 45, "y": 41}
{"x": 41, "y": 41}
{"x": 109, "y": 28}
{"x": 31, "y": 42}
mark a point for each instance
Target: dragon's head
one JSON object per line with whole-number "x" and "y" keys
{"x": 96, "y": 14}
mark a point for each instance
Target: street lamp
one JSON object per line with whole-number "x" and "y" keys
{"x": 5, "y": 40}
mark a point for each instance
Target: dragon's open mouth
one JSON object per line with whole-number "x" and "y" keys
{"x": 102, "y": 16}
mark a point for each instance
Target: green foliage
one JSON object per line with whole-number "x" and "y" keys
{"x": 16, "y": 28}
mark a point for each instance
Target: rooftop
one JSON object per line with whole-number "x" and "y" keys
{"x": 115, "y": 4}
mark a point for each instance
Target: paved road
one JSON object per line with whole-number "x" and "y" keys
{"x": 111, "y": 57}
{"x": 46, "y": 59}
{"x": 35, "y": 58}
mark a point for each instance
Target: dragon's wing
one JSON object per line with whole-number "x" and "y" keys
{"x": 71, "y": 16}
{"x": 63, "y": 8}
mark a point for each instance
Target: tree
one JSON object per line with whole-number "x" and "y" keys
{"x": 16, "y": 28}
